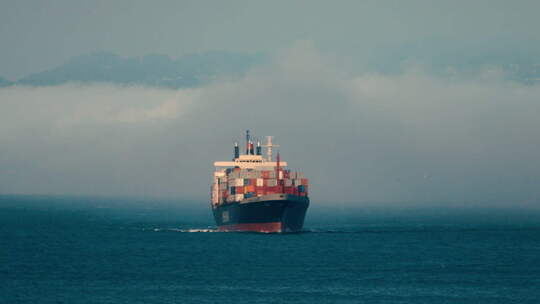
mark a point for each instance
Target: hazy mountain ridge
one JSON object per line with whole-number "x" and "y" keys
{"x": 200, "y": 69}
{"x": 4, "y": 82}
{"x": 153, "y": 70}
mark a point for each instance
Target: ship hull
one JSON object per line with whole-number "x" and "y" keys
{"x": 270, "y": 213}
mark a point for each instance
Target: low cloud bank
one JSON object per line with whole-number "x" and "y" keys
{"x": 360, "y": 138}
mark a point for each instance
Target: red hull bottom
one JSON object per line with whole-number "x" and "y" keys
{"x": 255, "y": 227}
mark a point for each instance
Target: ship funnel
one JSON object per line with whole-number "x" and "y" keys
{"x": 251, "y": 150}
{"x": 236, "y": 151}
{"x": 259, "y": 148}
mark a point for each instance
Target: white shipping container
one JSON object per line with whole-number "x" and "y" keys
{"x": 297, "y": 182}
{"x": 288, "y": 182}
{"x": 280, "y": 174}
{"x": 260, "y": 182}
{"x": 238, "y": 197}
{"x": 238, "y": 182}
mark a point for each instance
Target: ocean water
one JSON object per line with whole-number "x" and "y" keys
{"x": 100, "y": 250}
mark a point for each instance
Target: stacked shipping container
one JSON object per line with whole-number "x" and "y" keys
{"x": 237, "y": 184}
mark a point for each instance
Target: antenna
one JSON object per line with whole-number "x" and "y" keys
{"x": 247, "y": 141}
{"x": 269, "y": 147}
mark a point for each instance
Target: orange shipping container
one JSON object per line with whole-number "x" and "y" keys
{"x": 305, "y": 181}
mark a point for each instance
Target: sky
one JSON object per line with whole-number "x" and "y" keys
{"x": 38, "y": 35}
{"x": 359, "y": 136}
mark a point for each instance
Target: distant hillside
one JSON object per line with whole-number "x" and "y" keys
{"x": 5, "y": 82}
{"x": 199, "y": 69}
{"x": 152, "y": 70}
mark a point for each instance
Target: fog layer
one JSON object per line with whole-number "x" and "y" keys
{"x": 358, "y": 137}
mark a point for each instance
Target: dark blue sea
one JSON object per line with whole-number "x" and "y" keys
{"x": 133, "y": 250}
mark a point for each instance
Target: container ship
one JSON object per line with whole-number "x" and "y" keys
{"x": 255, "y": 193}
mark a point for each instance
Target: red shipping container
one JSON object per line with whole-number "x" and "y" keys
{"x": 272, "y": 190}
{"x": 266, "y": 174}
{"x": 305, "y": 181}
{"x": 268, "y": 181}
{"x": 240, "y": 190}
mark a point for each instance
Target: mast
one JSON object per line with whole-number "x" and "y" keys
{"x": 269, "y": 147}
{"x": 247, "y": 141}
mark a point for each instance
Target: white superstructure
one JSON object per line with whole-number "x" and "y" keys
{"x": 253, "y": 159}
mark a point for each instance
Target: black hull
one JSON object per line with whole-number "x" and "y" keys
{"x": 271, "y": 213}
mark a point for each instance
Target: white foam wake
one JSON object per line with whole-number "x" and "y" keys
{"x": 185, "y": 230}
